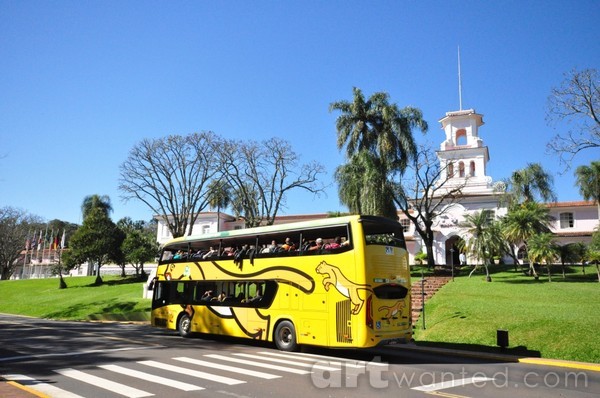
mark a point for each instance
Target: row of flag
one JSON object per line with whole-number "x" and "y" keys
{"x": 45, "y": 240}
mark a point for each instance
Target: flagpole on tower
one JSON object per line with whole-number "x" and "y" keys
{"x": 459, "y": 82}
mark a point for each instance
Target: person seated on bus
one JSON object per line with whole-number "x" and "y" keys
{"x": 258, "y": 297}
{"x": 318, "y": 245}
{"x": 220, "y": 298}
{"x": 272, "y": 248}
{"x": 336, "y": 244}
{"x": 178, "y": 255}
{"x": 288, "y": 245}
{"x": 207, "y": 296}
{"x": 344, "y": 242}
{"x": 212, "y": 252}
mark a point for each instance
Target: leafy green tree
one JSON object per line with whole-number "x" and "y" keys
{"x": 219, "y": 197}
{"x": 379, "y": 144}
{"x": 15, "y": 225}
{"x": 98, "y": 241}
{"x": 576, "y": 102}
{"x": 542, "y": 249}
{"x": 95, "y": 201}
{"x": 139, "y": 248}
{"x": 588, "y": 180}
{"x": 593, "y": 252}
{"x": 483, "y": 239}
{"x": 523, "y": 222}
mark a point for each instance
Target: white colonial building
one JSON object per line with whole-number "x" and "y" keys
{"x": 464, "y": 157}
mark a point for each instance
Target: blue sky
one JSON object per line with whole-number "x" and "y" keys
{"x": 81, "y": 82}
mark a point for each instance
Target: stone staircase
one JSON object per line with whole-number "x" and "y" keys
{"x": 431, "y": 285}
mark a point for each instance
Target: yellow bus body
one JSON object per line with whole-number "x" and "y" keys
{"x": 355, "y": 296}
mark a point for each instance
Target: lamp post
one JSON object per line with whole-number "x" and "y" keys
{"x": 452, "y": 261}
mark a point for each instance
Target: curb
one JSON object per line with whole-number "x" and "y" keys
{"x": 503, "y": 357}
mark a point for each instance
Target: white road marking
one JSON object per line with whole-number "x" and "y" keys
{"x": 106, "y": 384}
{"x": 151, "y": 378}
{"x": 451, "y": 383}
{"x": 193, "y": 373}
{"x": 215, "y": 365}
{"x": 258, "y": 364}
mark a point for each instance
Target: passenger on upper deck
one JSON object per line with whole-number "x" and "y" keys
{"x": 288, "y": 245}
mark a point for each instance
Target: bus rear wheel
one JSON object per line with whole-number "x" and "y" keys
{"x": 185, "y": 326}
{"x": 285, "y": 336}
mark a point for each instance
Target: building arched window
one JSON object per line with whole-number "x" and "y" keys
{"x": 461, "y": 137}
{"x": 461, "y": 169}
{"x": 472, "y": 169}
{"x": 450, "y": 170}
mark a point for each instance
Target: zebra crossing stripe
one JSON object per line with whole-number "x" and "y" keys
{"x": 334, "y": 361}
{"x": 106, "y": 384}
{"x": 151, "y": 378}
{"x": 44, "y": 388}
{"x": 228, "y": 368}
{"x": 193, "y": 373}
{"x": 258, "y": 364}
{"x": 315, "y": 365}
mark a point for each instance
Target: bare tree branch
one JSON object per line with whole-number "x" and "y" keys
{"x": 577, "y": 103}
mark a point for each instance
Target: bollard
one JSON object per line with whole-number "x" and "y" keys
{"x": 502, "y": 338}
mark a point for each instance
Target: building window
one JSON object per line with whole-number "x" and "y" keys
{"x": 566, "y": 220}
{"x": 205, "y": 229}
{"x": 405, "y": 222}
{"x": 461, "y": 137}
{"x": 461, "y": 169}
{"x": 450, "y": 170}
{"x": 490, "y": 215}
{"x": 472, "y": 169}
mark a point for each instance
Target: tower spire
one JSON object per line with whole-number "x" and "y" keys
{"x": 459, "y": 83}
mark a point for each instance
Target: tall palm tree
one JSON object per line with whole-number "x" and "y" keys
{"x": 378, "y": 138}
{"x": 542, "y": 249}
{"x": 95, "y": 201}
{"x": 523, "y": 222}
{"x": 219, "y": 196}
{"x": 483, "y": 241}
{"x": 588, "y": 180}
{"x": 530, "y": 182}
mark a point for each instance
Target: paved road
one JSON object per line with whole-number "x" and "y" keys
{"x": 94, "y": 360}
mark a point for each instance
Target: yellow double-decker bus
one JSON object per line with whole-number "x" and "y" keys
{"x": 335, "y": 282}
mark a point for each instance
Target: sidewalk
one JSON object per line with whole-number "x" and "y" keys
{"x": 11, "y": 389}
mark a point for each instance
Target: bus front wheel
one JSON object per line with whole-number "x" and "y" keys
{"x": 285, "y": 336}
{"x": 185, "y": 326}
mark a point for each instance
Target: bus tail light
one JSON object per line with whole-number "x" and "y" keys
{"x": 369, "y": 311}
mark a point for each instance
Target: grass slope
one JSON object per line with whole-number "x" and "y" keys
{"x": 557, "y": 319}
{"x": 116, "y": 299}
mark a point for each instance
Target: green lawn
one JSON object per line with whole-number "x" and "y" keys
{"x": 116, "y": 299}
{"x": 558, "y": 319}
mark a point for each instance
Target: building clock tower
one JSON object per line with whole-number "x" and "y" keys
{"x": 463, "y": 155}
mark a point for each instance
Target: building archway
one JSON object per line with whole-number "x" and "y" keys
{"x": 452, "y": 250}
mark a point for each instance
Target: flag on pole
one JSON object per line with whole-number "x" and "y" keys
{"x": 56, "y": 238}
{"x": 62, "y": 241}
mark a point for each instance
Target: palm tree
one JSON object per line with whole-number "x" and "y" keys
{"x": 523, "y": 222}
{"x": 483, "y": 241}
{"x": 357, "y": 187}
{"x": 588, "y": 180}
{"x": 525, "y": 184}
{"x": 379, "y": 142}
{"x": 219, "y": 197}
{"x": 571, "y": 253}
{"x": 541, "y": 248}
{"x": 91, "y": 202}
